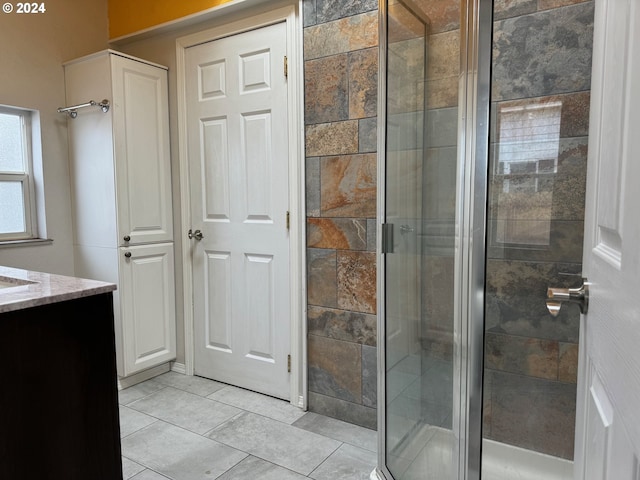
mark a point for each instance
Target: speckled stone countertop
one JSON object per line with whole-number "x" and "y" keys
{"x": 21, "y": 289}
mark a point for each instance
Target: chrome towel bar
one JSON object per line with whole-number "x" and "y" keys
{"x": 73, "y": 110}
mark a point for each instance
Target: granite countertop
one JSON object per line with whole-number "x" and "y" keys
{"x": 21, "y": 289}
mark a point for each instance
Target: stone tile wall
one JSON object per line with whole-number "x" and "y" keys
{"x": 341, "y": 82}
{"x": 541, "y": 59}
{"x": 542, "y": 55}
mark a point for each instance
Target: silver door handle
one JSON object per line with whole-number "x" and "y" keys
{"x": 197, "y": 235}
{"x": 404, "y": 229}
{"x": 557, "y": 296}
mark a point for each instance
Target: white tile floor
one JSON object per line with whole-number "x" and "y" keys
{"x": 190, "y": 428}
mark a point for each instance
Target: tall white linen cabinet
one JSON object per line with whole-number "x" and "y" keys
{"x": 121, "y": 197}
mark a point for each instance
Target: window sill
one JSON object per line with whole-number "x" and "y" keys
{"x": 29, "y": 242}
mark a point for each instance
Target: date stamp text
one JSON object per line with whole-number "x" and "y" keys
{"x": 20, "y": 7}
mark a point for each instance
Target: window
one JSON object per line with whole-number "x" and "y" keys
{"x": 529, "y": 138}
{"x": 17, "y": 202}
{"x": 526, "y": 165}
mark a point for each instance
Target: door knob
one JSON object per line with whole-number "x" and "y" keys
{"x": 197, "y": 235}
{"x": 557, "y": 296}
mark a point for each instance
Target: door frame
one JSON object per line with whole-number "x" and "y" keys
{"x": 254, "y": 18}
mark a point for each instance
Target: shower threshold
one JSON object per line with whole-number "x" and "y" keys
{"x": 500, "y": 461}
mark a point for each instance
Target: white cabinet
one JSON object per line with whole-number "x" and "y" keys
{"x": 121, "y": 197}
{"x": 141, "y": 144}
{"x": 148, "y": 305}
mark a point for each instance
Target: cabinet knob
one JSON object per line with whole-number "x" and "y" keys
{"x": 126, "y": 238}
{"x": 127, "y": 254}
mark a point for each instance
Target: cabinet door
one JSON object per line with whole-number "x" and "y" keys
{"x": 147, "y": 299}
{"x": 141, "y": 142}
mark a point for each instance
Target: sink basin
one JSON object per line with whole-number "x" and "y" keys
{"x": 9, "y": 282}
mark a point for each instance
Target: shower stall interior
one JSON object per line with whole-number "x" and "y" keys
{"x": 483, "y": 164}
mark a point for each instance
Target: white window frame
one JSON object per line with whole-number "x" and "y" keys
{"x": 25, "y": 178}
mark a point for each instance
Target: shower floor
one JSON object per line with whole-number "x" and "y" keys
{"x": 506, "y": 462}
{"x": 429, "y": 455}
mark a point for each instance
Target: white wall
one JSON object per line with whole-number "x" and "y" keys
{"x": 32, "y": 50}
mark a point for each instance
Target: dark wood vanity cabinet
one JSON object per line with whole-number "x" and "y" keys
{"x": 58, "y": 396}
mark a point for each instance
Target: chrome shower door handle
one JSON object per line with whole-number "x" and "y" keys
{"x": 197, "y": 235}
{"x": 557, "y": 296}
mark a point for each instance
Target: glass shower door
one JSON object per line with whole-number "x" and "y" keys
{"x": 422, "y": 65}
{"x": 537, "y": 179}
{"x": 476, "y": 372}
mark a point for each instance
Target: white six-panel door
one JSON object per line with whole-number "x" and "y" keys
{"x": 238, "y": 160}
{"x": 608, "y": 428}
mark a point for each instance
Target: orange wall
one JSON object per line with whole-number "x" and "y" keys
{"x": 128, "y": 16}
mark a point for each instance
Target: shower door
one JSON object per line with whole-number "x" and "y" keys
{"x": 409, "y": 426}
{"x": 479, "y": 216}
{"x": 431, "y": 101}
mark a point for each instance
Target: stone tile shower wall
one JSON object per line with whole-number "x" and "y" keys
{"x": 542, "y": 62}
{"x": 542, "y": 56}
{"x": 341, "y": 81}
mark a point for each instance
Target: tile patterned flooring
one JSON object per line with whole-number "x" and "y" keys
{"x": 190, "y": 428}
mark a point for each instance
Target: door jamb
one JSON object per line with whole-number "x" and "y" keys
{"x": 290, "y": 14}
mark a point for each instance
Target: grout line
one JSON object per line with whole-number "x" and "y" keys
{"x": 206, "y": 434}
{"x": 141, "y": 428}
{"x": 193, "y": 393}
{"x": 145, "y": 396}
{"x": 327, "y": 458}
{"x": 236, "y": 464}
{"x": 154, "y": 471}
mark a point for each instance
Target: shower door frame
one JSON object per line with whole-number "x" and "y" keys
{"x": 476, "y": 24}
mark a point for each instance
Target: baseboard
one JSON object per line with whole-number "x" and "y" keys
{"x": 179, "y": 368}
{"x": 131, "y": 380}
